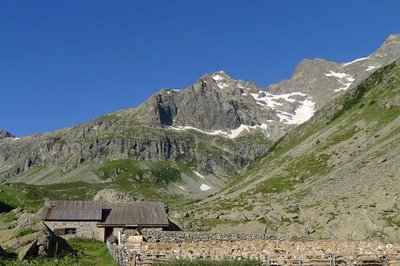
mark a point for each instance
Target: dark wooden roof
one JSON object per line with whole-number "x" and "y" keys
{"x": 64, "y": 210}
{"x": 139, "y": 213}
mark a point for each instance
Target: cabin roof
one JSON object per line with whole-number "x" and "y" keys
{"x": 139, "y": 213}
{"x": 67, "y": 210}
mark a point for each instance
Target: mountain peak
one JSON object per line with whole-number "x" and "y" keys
{"x": 390, "y": 48}
{"x": 393, "y": 38}
{"x": 221, "y": 79}
{"x": 5, "y": 134}
{"x": 220, "y": 75}
{"x": 312, "y": 66}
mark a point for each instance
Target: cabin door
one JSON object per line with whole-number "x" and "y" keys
{"x": 108, "y": 232}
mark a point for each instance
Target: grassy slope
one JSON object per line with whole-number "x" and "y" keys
{"x": 141, "y": 179}
{"x": 89, "y": 253}
{"x": 358, "y": 127}
{"x": 360, "y": 105}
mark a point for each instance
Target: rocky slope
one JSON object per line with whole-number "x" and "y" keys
{"x": 24, "y": 234}
{"x": 324, "y": 80}
{"x": 336, "y": 176}
{"x": 189, "y": 141}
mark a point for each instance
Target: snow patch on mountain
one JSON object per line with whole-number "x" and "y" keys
{"x": 217, "y": 77}
{"x": 357, "y": 60}
{"x": 199, "y": 175}
{"x": 220, "y": 80}
{"x": 303, "y": 113}
{"x": 336, "y": 74}
{"x": 272, "y": 100}
{"x": 205, "y": 187}
{"x": 232, "y": 134}
{"x": 343, "y": 78}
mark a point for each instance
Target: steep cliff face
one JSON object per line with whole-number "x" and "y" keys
{"x": 78, "y": 153}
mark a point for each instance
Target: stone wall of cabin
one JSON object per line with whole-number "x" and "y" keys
{"x": 86, "y": 229}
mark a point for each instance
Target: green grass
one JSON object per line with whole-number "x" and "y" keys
{"x": 89, "y": 252}
{"x": 92, "y": 252}
{"x": 124, "y": 168}
{"x": 165, "y": 172}
{"x": 66, "y": 261}
{"x": 392, "y": 221}
{"x": 204, "y": 148}
{"x": 343, "y": 136}
{"x": 356, "y": 96}
{"x": 277, "y": 185}
{"x": 31, "y": 197}
{"x": 25, "y": 232}
{"x": 296, "y": 172}
{"x": 148, "y": 180}
{"x": 9, "y": 217}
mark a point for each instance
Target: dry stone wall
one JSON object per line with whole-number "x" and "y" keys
{"x": 162, "y": 246}
{"x": 153, "y": 236}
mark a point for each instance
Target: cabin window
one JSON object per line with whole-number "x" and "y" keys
{"x": 70, "y": 231}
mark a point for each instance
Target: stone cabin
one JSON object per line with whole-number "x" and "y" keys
{"x": 102, "y": 220}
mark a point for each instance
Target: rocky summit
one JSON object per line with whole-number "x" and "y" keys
{"x": 294, "y": 157}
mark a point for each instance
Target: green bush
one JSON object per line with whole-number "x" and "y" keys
{"x": 9, "y": 217}
{"x": 25, "y": 231}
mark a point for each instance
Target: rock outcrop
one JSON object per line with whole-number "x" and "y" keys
{"x": 44, "y": 244}
{"x": 113, "y": 196}
{"x": 30, "y": 238}
{"x": 5, "y": 134}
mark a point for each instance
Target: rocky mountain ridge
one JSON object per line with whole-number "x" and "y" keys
{"x": 335, "y": 176}
{"x": 205, "y": 133}
{"x": 228, "y": 107}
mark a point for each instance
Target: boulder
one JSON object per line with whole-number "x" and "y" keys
{"x": 27, "y": 219}
{"x": 175, "y": 215}
{"x": 29, "y": 251}
{"x": 274, "y": 217}
{"x": 45, "y": 244}
{"x": 113, "y": 196}
{"x": 51, "y": 245}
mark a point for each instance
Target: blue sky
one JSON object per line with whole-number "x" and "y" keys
{"x": 67, "y": 62}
